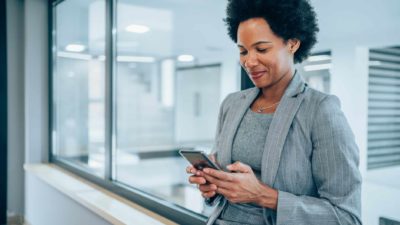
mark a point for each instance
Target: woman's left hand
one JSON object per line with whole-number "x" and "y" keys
{"x": 241, "y": 186}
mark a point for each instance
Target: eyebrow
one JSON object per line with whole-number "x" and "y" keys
{"x": 257, "y": 43}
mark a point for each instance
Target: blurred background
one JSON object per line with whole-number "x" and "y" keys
{"x": 115, "y": 89}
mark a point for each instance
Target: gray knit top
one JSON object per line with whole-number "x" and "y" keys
{"x": 248, "y": 148}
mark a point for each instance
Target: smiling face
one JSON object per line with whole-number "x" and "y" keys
{"x": 266, "y": 57}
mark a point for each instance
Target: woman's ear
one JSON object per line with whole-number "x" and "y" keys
{"x": 293, "y": 45}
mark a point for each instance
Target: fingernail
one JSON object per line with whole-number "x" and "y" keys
{"x": 206, "y": 170}
{"x": 198, "y": 173}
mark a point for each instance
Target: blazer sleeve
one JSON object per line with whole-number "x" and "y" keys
{"x": 335, "y": 171}
{"x": 221, "y": 119}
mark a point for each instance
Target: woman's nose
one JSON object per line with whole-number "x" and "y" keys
{"x": 251, "y": 61}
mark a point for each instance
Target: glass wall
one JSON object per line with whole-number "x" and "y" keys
{"x": 316, "y": 71}
{"x": 169, "y": 71}
{"x": 79, "y": 83}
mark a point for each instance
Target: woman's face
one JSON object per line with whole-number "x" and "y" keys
{"x": 266, "y": 57}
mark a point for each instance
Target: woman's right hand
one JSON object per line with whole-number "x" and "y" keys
{"x": 207, "y": 190}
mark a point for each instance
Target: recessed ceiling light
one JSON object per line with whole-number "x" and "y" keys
{"x": 185, "y": 58}
{"x": 75, "y": 48}
{"x": 135, "y": 28}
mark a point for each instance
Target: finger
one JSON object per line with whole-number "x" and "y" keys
{"x": 239, "y": 167}
{"x": 217, "y": 182}
{"x": 191, "y": 170}
{"x": 207, "y": 187}
{"x": 197, "y": 180}
{"x": 208, "y": 194}
{"x": 221, "y": 175}
{"x": 223, "y": 191}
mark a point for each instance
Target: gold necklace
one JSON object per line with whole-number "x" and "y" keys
{"x": 261, "y": 109}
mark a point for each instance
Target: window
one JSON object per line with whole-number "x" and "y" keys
{"x": 78, "y": 84}
{"x": 170, "y": 72}
{"x": 316, "y": 70}
{"x": 383, "y": 108}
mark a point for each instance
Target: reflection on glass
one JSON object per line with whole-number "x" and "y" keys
{"x": 169, "y": 85}
{"x": 316, "y": 71}
{"x": 78, "y": 83}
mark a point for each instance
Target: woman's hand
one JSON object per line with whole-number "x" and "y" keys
{"x": 241, "y": 186}
{"x": 207, "y": 190}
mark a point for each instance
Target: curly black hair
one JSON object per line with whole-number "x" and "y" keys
{"x": 288, "y": 19}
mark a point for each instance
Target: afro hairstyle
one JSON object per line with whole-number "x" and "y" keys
{"x": 288, "y": 19}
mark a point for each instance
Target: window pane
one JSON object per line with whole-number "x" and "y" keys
{"x": 316, "y": 70}
{"x": 174, "y": 67}
{"x": 78, "y": 83}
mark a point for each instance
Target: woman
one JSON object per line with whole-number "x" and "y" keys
{"x": 289, "y": 154}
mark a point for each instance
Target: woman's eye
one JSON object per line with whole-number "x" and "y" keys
{"x": 262, "y": 50}
{"x": 243, "y": 52}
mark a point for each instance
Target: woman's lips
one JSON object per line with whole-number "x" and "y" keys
{"x": 256, "y": 75}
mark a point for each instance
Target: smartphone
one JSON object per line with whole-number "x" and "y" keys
{"x": 200, "y": 160}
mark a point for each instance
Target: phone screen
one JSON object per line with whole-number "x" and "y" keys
{"x": 198, "y": 159}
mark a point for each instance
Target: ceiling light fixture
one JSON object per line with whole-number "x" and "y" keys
{"x": 135, "y": 28}
{"x": 185, "y": 58}
{"x": 75, "y": 48}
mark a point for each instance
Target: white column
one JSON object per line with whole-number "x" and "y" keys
{"x": 36, "y": 81}
{"x": 349, "y": 81}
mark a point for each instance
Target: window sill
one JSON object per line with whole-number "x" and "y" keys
{"x": 111, "y": 207}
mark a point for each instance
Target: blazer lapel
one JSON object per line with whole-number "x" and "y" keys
{"x": 239, "y": 108}
{"x": 279, "y": 128}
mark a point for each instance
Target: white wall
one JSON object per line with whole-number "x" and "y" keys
{"x": 47, "y": 206}
{"x": 371, "y": 23}
{"x": 15, "y": 62}
{"x": 36, "y": 85}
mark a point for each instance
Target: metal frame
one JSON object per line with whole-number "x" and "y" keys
{"x": 3, "y": 114}
{"x": 109, "y": 81}
{"x": 162, "y": 207}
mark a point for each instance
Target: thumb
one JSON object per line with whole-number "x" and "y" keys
{"x": 239, "y": 167}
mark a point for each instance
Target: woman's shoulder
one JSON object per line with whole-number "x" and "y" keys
{"x": 318, "y": 101}
{"x": 316, "y": 97}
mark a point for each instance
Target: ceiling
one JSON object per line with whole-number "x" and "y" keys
{"x": 196, "y": 27}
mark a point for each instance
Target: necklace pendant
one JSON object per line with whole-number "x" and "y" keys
{"x": 260, "y": 110}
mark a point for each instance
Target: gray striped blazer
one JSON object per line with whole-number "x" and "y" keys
{"x": 310, "y": 157}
